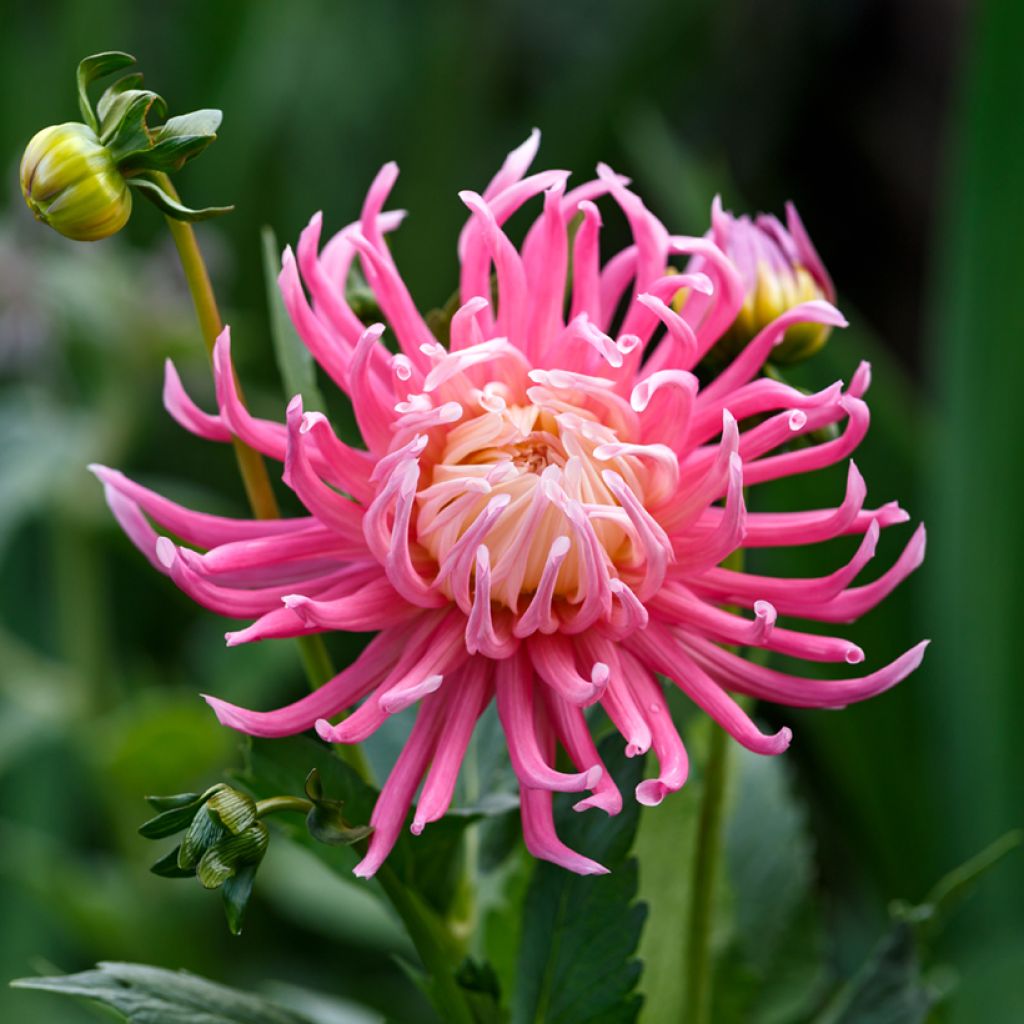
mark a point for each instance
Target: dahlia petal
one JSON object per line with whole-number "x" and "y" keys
{"x": 347, "y": 467}
{"x": 467, "y": 696}
{"x": 480, "y": 633}
{"x": 657, "y": 649}
{"x": 806, "y": 253}
{"x": 337, "y": 694}
{"x": 395, "y": 302}
{"x": 791, "y": 596}
{"x": 334, "y": 511}
{"x": 617, "y": 699}
{"x": 199, "y": 528}
{"x": 766, "y": 684}
{"x": 186, "y": 413}
{"x": 538, "y": 615}
{"x": 515, "y": 688}
{"x": 232, "y": 602}
{"x": 135, "y": 525}
{"x": 586, "y": 264}
{"x": 512, "y": 286}
{"x": 322, "y": 343}
{"x": 673, "y": 762}
{"x": 373, "y": 411}
{"x": 819, "y": 456}
{"x": 678, "y": 607}
{"x": 553, "y": 658}
{"x": 695, "y": 556}
{"x": 545, "y": 262}
{"x": 541, "y": 839}
{"x": 326, "y": 297}
{"x": 854, "y": 602}
{"x": 396, "y": 796}
{"x": 373, "y": 606}
{"x": 710, "y": 314}
{"x": 571, "y": 728}
{"x": 753, "y": 356}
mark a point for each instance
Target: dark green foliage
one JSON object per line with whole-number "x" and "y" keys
{"x": 579, "y": 934}
{"x": 151, "y": 995}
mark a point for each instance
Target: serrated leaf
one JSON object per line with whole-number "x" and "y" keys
{"x": 580, "y": 934}
{"x": 96, "y": 66}
{"x": 168, "y": 867}
{"x": 152, "y": 995}
{"x": 171, "y": 207}
{"x": 294, "y": 361}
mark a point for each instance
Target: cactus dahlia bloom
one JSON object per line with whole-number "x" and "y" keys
{"x": 542, "y": 507}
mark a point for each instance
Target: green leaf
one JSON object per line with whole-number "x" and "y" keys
{"x": 891, "y": 987}
{"x": 888, "y": 989}
{"x": 772, "y": 971}
{"x": 236, "y": 893}
{"x": 124, "y": 129}
{"x": 430, "y": 864}
{"x": 169, "y": 147}
{"x": 179, "y": 815}
{"x": 171, "y": 207}
{"x": 294, "y": 361}
{"x": 168, "y": 803}
{"x": 152, "y": 995}
{"x": 325, "y": 821}
{"x": 110, "y": 94}
{"x": 167, "y": 866}
{"x": 97, "y": 66}
{"x": 576, "y": 962}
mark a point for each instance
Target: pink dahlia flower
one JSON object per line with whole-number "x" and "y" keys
{"x": 542, "y": 507}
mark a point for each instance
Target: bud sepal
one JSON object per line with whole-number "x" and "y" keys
{"x": 76, "y": 176}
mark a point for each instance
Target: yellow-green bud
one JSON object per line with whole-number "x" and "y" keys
{"x": 70, "y": 181}
{"x": 780, "y": 269}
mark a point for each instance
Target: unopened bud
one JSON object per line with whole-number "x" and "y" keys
{"x": 70, "y": 181}
{"x": 780, "y": 269}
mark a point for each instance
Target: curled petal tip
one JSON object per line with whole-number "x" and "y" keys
{"x": 324, "y": 730}
{"x": 854, "y": 655}
{"x": 650, "y": 792}
{"x": 594, "y": 775}
{"x": 166, "y": 551}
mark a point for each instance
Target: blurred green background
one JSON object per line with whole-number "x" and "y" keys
{"x": 895, "y": 125}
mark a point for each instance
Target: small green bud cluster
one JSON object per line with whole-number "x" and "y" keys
{"x": 79, "y": 177}
{"x": 225, "y": 838}
{"x": 223, "y": 844}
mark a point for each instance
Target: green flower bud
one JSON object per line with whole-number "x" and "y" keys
{"x": 780, "y": 269}
{"x": 70, "y": 181}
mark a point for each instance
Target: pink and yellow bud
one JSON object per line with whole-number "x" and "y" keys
{"x": 780, "y": 269}
{"x": 70, "y": 181}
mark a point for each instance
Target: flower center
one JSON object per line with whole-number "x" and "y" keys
{"x": 531, "y": 484}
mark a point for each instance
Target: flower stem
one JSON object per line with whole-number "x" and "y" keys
{"x": 707, "y": 854}
{"x": 434, "y": 942}
{"x": 702, "y": 889}
{"x": 276, "y": 804}
{"x": 315, "y": 658}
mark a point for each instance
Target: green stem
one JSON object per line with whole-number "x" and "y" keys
{"x": 315, "y": 659}
{"x": 276, "y": 804}
{"x": 437, "y": 948}
{"x": 707, "y": 854}
{"x": 705, "y": 871}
